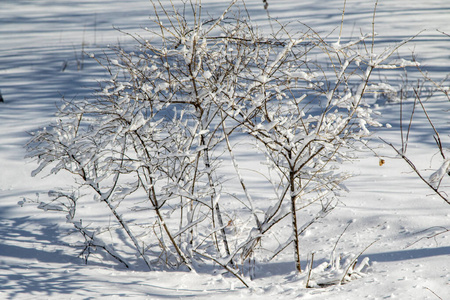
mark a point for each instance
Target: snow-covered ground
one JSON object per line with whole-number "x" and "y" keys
{"x": 41, "y": 60}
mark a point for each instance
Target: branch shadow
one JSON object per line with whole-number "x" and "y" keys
{"x": 34, "y": 262}
{"x": 407, "y": 254}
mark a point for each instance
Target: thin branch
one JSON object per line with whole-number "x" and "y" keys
{"x": 413, "y": 167}
{"x": 310, "y": 270}
{"x": 223, "y": 265}
{"x": 353, "y": 262}
{"x": 433, "y": 292}
{"x": 437, "y": 136}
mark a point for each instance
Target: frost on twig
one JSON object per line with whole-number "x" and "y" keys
{"x": 438, "y": 175}
{"x": 150, "y": 149}
{"x": 343, "y": 269}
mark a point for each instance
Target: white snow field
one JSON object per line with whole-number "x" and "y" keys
{"x": 42, "y": 60}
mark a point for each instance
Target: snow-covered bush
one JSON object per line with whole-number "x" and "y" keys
{"x": 150, "y": 147}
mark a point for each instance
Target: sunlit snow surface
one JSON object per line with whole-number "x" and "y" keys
{"x": 41, "y": 60}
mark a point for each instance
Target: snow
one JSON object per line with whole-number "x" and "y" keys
{"x": 42, "y": 60}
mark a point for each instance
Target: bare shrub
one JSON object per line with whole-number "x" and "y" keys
{"x": 149, "y": 148}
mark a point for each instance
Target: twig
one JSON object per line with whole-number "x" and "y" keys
{"x": 413, "y": 167}
{"x": 373, "y": 29}
{"x": 443, "y": 32}
{"x": 310, "y": 269}
{"x": 342, "y": 22}
{"x": 345, "y": 229}
{"x": 437, "y": 138}
{"x": 223, "y": 265}
{"x": 432, "y": 292}
{"x": 445, "y": 230}
{"x": 335, "y": 245}
{"x": 355, "y": 260}
{"x": 266, "y": 4}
